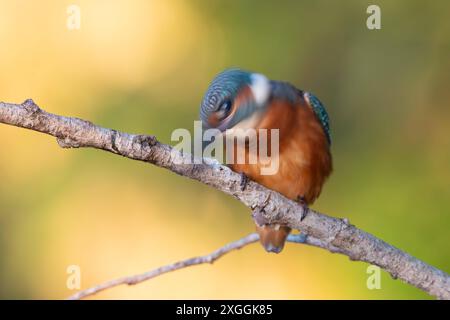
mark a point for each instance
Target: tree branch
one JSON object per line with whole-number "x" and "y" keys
{"x": 333, "y": 234}
{"x": 209, "y": 258}
{"x": 135, "y": 279}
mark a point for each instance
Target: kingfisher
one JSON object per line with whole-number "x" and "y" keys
{"x": 242, "y": 99}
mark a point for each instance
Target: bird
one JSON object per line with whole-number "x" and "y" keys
{"x": 238, "y": 98}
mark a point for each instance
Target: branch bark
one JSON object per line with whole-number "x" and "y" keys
{"x": 330, "y": 233}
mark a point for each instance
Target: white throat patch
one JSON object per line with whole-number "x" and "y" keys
{"x": 260, "y": 88}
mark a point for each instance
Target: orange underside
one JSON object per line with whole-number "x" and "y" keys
{"x": 304, "y": 160}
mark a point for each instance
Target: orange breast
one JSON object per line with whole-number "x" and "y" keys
{"x": 304, "y": 154}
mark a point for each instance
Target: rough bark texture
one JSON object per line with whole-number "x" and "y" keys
{"x": 333, "y": 234}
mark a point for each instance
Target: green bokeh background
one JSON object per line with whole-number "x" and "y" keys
{"x": 143, "y": 66}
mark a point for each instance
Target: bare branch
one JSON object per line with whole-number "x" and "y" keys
{"x": 333, "y": 234}
{"x": 131, "y": 280}
{"x": 209, "y": 258}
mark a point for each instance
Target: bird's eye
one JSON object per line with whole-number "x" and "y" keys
{"x": 224, "y": 109}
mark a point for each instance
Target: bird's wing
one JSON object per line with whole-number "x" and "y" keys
{"x": 320, "y": 111}
{"x": 290, "y": 93}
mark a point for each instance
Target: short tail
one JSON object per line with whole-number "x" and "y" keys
{"x": 273, "y": 236}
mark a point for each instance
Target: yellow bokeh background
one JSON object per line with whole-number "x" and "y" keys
{"x": 142, "y": 67}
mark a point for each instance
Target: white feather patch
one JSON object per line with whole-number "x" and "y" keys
{"x": 260, "y": 88}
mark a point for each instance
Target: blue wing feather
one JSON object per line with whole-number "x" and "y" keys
{"x": 320, "y": 111}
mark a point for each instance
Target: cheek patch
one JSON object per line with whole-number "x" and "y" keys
{"x": 260, "y": 87}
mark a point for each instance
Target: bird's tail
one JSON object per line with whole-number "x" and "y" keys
{"x": 273, "y": 236}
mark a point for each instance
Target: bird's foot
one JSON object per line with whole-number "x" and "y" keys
{"x": 244, "y": 181}
{"x": 302, "y": 201}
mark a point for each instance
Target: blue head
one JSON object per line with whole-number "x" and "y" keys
{"x": 234, "y": 96}
{"x": 237, "y": 97}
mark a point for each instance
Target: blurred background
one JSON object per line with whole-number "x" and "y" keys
{"x": 143, "y": 66}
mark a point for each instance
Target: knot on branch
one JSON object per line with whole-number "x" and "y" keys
{"x": 141, "y": 146}
{"x": 67, "y": 142}
{"x": 347, "y": 235}
{"x": 144, "y": 141}
{"x": 259, "y": 213}
{"x": 113, "y": 141}
{"x": 30, "y": 106}
{"x": 261, "y": 216}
